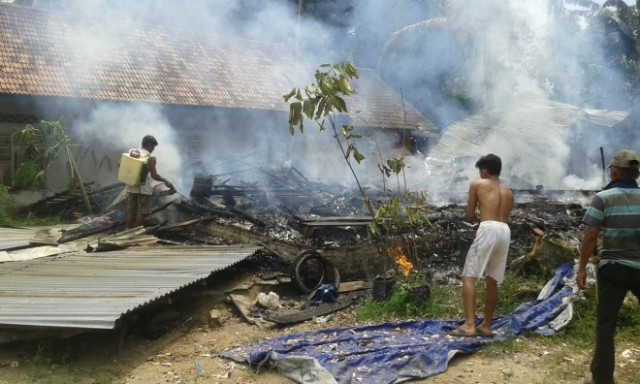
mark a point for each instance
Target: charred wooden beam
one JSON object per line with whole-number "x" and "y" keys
{"x": 223, "y": 211}
{"x": 82, "y": 231}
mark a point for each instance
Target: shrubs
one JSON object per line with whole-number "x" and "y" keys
{"x": 7, "y": 205}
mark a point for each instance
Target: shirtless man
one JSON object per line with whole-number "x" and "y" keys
{"x": 487, "y": 255}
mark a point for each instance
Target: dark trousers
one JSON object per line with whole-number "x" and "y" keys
{"x": 614, "y": 281}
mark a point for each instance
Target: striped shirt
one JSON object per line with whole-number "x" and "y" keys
{"x": 616, "y": 212}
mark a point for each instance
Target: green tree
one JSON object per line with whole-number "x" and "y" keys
{"x": 321, "y": 102}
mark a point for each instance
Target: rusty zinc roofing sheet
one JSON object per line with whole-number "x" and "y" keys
{"x": 93, "y": 290}
{"x": 53, "y": 54}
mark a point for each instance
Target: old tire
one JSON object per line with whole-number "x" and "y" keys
{"x": 310, "y": 270}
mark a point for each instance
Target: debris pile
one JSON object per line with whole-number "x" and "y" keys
{"x": 289, "y": 214}
{"x": 316, "y": 255}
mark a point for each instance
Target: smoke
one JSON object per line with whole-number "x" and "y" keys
{"x": 225, "y": 141}
{"x": 507, "y": 60}
{"x": 490, "y": 56}
{"x": 121, "y": 127}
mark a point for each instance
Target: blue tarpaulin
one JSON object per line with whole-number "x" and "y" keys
{"x": 401, "y": 351}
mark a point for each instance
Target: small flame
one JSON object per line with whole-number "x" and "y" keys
{"x": 401, "y": 259}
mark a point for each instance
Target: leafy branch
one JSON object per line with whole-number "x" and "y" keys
{"x": 321, "y": 102}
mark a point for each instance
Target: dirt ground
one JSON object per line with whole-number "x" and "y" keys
{"x": 190, "y": 342}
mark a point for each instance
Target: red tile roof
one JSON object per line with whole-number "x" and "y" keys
{"x": 48, "y": 53}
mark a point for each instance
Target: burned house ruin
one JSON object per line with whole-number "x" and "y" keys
{"x": 208, "y": 99}
{"x": 243, "y": 182}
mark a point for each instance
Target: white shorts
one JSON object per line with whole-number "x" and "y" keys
{"x": 487, "y": 255}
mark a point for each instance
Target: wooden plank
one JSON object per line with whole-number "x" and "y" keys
{"x": 297, "y": 316}
{"x": 338, "y": 218}
{"x": 350, "y": 286}
{"x": 46, "y": 236}
{"x": 335, "y": 223}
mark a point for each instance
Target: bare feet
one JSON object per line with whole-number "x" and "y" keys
{"x": 463, "y": 332}
{"x": 484, "y": 332}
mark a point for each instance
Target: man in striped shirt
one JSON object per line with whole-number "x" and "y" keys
{"x": 614, "y": 213}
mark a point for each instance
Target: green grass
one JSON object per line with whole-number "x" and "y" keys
{"x": 29, "y": 221}
{"x": 9, "y": 215}
{"x": 579, "y": 338}
{"x": 445, "y": 302}
{"x": 400, "y": 305}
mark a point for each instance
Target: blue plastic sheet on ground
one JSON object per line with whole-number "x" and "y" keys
{"x": 401, "y": 351}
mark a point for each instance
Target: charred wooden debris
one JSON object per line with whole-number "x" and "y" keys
{"x": 288, "y": 214}
{"x": 315, "y": 236}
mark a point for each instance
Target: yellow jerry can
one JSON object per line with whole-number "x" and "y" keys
{"x": 132, "y": 170}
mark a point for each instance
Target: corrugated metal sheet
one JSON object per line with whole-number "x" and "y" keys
{"x": 21, "y": 237}
{"x": 20, "y": 244}
{"x": 93, "y": 290}
{"x": 529, "y": 126}
{"x": 533, "y": 139}
{"x": 13, "y": 238}
{"x": 605, "y": 117}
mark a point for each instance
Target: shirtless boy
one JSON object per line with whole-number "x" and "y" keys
{"x": 487, "y": 255}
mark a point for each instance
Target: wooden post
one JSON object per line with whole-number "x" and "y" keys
{"x": 76, "y": 174}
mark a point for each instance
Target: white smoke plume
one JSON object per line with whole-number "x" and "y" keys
{"x": 506, "y": 52}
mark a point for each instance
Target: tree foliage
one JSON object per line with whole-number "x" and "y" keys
{"x": 321, "y": 102}
{"x": 41, "y": 145}
{"x": 323, "y": 98}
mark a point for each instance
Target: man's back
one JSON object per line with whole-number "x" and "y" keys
{"x": 620, "y": 222}
{"x": 495, "y": 200}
